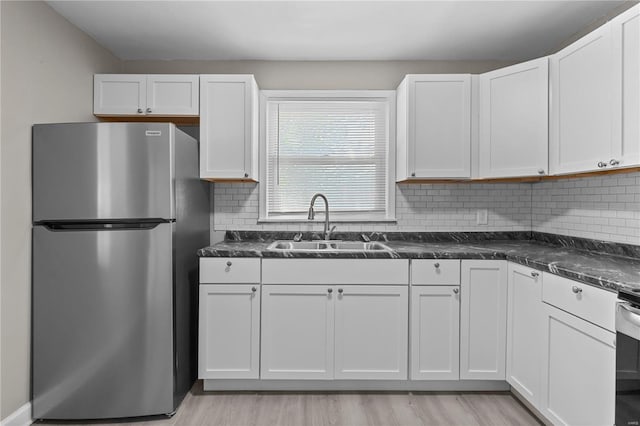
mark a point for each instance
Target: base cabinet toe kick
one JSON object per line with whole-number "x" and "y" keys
{"x": 407, "y": 325}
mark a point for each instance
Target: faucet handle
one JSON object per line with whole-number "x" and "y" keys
{"x": 365, "y": 238}
{"x": 297, "y": 237}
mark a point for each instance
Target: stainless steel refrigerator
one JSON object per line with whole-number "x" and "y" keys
{"x": 118, "y": 215}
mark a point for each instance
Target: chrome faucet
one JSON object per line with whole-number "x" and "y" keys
{"x": 327, "y": 231}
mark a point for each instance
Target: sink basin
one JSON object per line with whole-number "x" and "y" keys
{"x": 320, "y": 246}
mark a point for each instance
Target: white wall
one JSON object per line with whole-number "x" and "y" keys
{"x": 46, "y": 76}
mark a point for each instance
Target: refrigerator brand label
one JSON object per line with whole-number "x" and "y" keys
{"x": 152, "y": 133}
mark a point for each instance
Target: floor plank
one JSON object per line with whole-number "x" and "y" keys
{"x": 201, "y": 408}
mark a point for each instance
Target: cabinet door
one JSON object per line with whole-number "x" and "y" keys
{"x": 229, "y": 331}
{"x": 297, "y": 332}
{"x": 524, "y": 331}
{"x": 119, "y": 94}
{"x": 371, "y": 332}
{"x": 585, "y": 104}
{"x": 578, "y": 371}
{"x": 626, "y": 30}
{"x": 172, "y": 94}
{"x": 228, "y": 127}
{"x": 439, "y": 126}
{"x": 435, "y": 333}
{"x": 514, "y": 120}
{"x": 483, "y": 319}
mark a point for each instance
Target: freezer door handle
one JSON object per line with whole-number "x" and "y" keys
{"x": 112, "y": 226}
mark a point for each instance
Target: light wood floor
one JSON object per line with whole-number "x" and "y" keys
{"x": 348, "y": 409}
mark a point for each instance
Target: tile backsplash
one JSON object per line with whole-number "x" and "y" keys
{"x": 601, "y": 207}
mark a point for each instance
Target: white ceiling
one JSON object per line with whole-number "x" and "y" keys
{"x": 332, "y": 30}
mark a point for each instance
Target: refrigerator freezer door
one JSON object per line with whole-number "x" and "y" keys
{"x": 102, "y": 323}
{"x": 102, "y": 171}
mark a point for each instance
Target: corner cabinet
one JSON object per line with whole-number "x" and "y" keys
{"x": 229, "y": 318}
{"x": 140, "y": 95}
{"x": 228, "y": 127}
{"x": 434, "y": 127}
{"x": 334, "y": 319}
{"x": 525, "y": 332}
{"x": 483, "y": 319}
{"x": 513, "y": 140}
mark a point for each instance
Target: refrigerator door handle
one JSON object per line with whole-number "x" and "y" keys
{"x": 111, "y": 226}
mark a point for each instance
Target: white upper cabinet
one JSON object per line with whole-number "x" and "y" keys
{"x": 585, "y": 104}
{"x": 228, "y": 127}
{"x": 434, "y": 127}
{"x": 172, "y": 95}
{"x": 145, "y": 95}
{"x": 513, "y": 121}
{"x": 626, "y": 32}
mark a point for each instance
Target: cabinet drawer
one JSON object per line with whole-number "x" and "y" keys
{"x": 582, "y": 300}
{"x": 435, "y": 272}
{"x": 335, "y": 271}
{"x": 225, "y": 270}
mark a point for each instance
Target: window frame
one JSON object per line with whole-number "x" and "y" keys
{"x": 386, "y": 96}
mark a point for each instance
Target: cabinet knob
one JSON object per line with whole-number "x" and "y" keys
{"x": 456, "y": 291}
{"x": 253, "y": 289}
{"x": 436, "y": 265}
{"x": 140, "y": 111}
{"x": 246, "y": 175}
{"x": 413, "y": 174}
{"x": 329, "y": 290}
{"x": 148, "y": 110}
{"x": 340, "y": 290}
{"x": 576, "y": 289}
{"x": 614, "y": 162}
{"x": 535, "y": 274}
{"x": 601, "y": 164}
{"x": 540, "y": 171}
{"x": 229, "y": 263}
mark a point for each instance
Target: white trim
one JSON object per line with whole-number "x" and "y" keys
{"x": 20, "y": 417}
{"x": 388, "y": 95}
{"x": 357, "y": 385}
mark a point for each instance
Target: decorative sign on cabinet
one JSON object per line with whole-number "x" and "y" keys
{"x": 434, "y": 127}
{"x": 140, "y": 95}
{"x": 228, "y": 127}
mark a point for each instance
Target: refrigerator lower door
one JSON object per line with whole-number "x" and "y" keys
{"x": 102, "y": 323}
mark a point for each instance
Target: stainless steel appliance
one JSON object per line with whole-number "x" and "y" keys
{"x": 118, "y": 214}
{"x": 628, "y": 358}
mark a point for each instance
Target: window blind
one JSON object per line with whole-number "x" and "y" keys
{"x": 335, "y": 147}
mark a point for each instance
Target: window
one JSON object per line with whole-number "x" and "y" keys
{"x": 340, "y": 144}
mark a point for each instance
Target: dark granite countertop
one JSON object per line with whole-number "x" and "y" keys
{"x": 561, "y": 256}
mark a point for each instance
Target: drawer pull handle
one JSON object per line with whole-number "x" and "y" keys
{"x": 576, "y": 289}
{"x": 229, "y": 263}
{"x": 329, "y": 290}
{"x": 456, "y": 291}
{"x": 535, "y": 274}
{"x": 340, "y": 290}
{"x": 436, "y": 265}
{"x": 253, "y": 289}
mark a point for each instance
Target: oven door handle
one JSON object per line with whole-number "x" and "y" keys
{"x": 630, "y": 314}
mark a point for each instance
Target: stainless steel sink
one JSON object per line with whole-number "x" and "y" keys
{"x": 321, "y": 246}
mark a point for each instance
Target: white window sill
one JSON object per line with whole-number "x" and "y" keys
{"x": 332, "y": 219}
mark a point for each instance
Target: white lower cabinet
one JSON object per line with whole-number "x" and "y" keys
{"x": 483, "y": 319}
{"x": 524, "y": 332}
{"x": 578, "y": 370}
{"x": 306, "y": 327}
{"x": 297, "y": 332}
{"x": 371, "y": 325}
{"x": 435, "y": 332}
{"x": 229, "y": 331}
